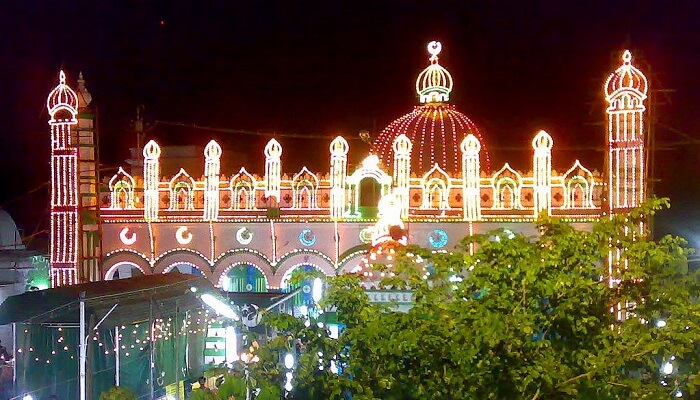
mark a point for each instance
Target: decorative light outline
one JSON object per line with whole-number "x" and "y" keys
{"x": 304, "y": 237}
{"x": 180, "y": 235}
{"x": 241, "y": 238}
{"x": 441, "y": 241}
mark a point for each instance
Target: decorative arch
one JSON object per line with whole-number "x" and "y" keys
{"x": 436, "y": 189}
{"x": 182, "y": 191}
{"x": 352, "y": 258}
{"x": 242, "y": 188}
{"x": 121, "y": 187}
{"x": 578, "y": 187}
{"x": 304, "y": 190}
{"x": 506, "y": 188}
{"x": 109, "y": 275}
{"x": 225, "y": 272}
{"x": 177, "y": 264}
{"x": 125, "y": 256}
{"x": 166, "y": 260}
{"x": 295, "y": 258}
{"x": 369, "y": 169}
{"x": 242, "y": 256}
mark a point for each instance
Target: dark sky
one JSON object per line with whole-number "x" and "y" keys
{"x": 335, "y": 67}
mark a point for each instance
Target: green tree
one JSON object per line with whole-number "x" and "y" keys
{"x": 567, "y": 314}
{"x": 118, "y": 393}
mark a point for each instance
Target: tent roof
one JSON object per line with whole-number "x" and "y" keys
{"x": 61, "y": 305}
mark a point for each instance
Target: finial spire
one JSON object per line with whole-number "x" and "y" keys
{"x": 434, "y": 48}
{"x": 627, "y": 57}
{"x": 434, "y": 84}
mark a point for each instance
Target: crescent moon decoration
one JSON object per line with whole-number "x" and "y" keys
{"x": 438, "y": 238}
{"x": 244, "y": 236}
{"x": 307, "y": 237}
{"x": 366, "y": 235}
{"x": 125, "y": 238}
{"x": 181, "y": 237}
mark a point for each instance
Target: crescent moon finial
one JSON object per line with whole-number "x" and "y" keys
{"x": 434, "y": 48}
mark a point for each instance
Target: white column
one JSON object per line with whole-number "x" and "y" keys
{"x": 471, "y": 199}
{"x": 542, "y": 172}
{"x": 151, "y": 178}
{"x": 402, "y": 171}
{"x": 212, "y": 168}
{"x": 339, "y": 164}
{"x": 273, "y": 174}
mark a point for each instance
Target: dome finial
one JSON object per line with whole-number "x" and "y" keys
{"x": 434, "y": 48}
{"x": 62, "y": 78}
{"x": 434, "y": 84}
{"x": 627, "y": 57}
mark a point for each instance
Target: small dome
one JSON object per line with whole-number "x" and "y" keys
{"x": 626, "y": 78}
{"x": 434, "y": 84}
{"x": 436, "y": 129}
{"x": 62, "y": 98}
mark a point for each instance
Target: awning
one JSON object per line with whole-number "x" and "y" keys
{"x": 133, "y": 296}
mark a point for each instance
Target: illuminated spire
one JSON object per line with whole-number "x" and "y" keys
{"x": 62, "y": 98}
{"x": 434, "y": 84}
{"x": 626, "y": 78}
{"x": 84, "y": 96}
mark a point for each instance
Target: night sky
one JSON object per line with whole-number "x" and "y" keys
{"x": 326, "y": 68}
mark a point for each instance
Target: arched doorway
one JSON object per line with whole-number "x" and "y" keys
{"x": 244, "y": 278}
{"x": 305, "y": 296}
{"x": 123, "y": 270}
{"x": 370, "y": 193}
{"x": 184, "y": 268}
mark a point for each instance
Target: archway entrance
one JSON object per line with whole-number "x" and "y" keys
{"x": 123, "y": 270}
{"x": 244, "y": 278}
{"x": 185, "y": 268}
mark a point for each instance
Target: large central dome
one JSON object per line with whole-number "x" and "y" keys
{"x": 436, "y": 129}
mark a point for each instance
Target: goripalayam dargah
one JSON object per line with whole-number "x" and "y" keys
{"x": 427, "y": 180}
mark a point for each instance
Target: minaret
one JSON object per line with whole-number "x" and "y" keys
{"x": 212, "y": 167}
{"x": 542, "y": 172}
{"x": 471, "y": 200}
{"x": 402, "y": 170}
{"x": 151, "y": 176}
{"x": 339, "y": 165}
{"x": 625, "y": 92}
{"x": 273, "y": 173}
{"x": 62, "y": 105}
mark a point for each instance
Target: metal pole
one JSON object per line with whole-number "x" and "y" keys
{"x": 117, "y": 350}
{"x": 14, "y": 354}
{"x": 83, "y": 348}
{"x": 152, "y": 348}
{"x": 176, "y": 337}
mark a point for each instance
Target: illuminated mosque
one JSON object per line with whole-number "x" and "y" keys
{"x": 245, "y": 232}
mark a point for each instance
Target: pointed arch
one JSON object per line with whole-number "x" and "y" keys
{"x": 305, "y": 189}
{"x": 181, "y": 191}
{"x": 242, "y": 188}
{"x": 436, "y": 189}
{"x": 578, "y": 187}
{"x": 121, "y": 187}
{"x": 507, "y": 183}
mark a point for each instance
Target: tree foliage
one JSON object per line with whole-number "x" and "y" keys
{"x": 567, "y": 314}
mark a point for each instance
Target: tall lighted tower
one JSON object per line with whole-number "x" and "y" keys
{"x": 273, "y": 174}
{"x": 212, "y": 168}
{"x": 542, "y": 172}
{"x": 339, "y": 168}
{"x": 151, "y": 175}
{"x": 471, "y": 202}
{"x": 62, "y": 105}
{"x": 625, "y": 92}
{"x": 402, "y": 170}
